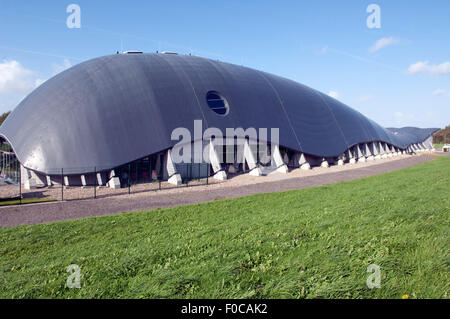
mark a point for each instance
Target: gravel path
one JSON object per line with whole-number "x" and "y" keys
{"x": 239, "y": 186}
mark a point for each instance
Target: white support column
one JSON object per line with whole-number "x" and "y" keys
{"x": 340, "y": 160}
{"x": 351, "y": 158}
{"x": 303, "y": 162}
{"x": 24, "y": 173}
{"x": 397, "y": 151}
{"x": 49, "y": 180}
{"x": 66, "y": 181}
{"x": 114, "y": 181}
{"x": 383, "y": 147}
{"x": 422, "y": 146}
{"x": 83, "y": 180}
{"x": 428, "y": 143}
{"x": 359, "y": 154}
{"x": 174, "y": 176}
{"x": 29, "y": 183}
{"x": 369, "y": 153}
{"x": 27, "y": 180}
{"x": 388, "y": 150}
{"x": 219, "y": 173}
{"x": 251, "y": 161}
{"x": 99, "y": 179}
{"x": 376, "y": 150}
{"x": 278, "y": 160}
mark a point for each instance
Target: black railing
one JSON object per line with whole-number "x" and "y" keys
{"x": 67, "y": 184}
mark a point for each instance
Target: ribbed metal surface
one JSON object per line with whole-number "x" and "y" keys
{"x": 115, "y": 109}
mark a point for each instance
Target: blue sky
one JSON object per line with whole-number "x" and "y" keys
{"x": 403, "y": 81}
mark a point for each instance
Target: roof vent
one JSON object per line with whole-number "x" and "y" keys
{"x": 132, "y": 52}
{"x": 168, "y": 52}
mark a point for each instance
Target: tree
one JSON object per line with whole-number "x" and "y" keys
{"x": 442, "y": 136}
{"x": 3, "y": 117}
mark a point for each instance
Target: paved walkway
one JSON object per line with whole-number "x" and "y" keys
{"x": 56, "y": 211}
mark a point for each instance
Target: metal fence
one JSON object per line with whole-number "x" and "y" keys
{"x": 65, "y": 184}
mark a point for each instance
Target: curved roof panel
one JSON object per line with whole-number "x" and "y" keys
{"x": 413, "y": 134}
{"x": 115, "y": 109}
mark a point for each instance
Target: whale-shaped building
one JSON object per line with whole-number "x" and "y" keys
{"x": 114, "y": 110}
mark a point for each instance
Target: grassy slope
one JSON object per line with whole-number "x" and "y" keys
{"x": 310, "y": 243}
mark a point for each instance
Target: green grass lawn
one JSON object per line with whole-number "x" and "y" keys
{"x": 312, "y": 243}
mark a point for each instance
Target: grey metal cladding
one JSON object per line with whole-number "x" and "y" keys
{"x": 412, "y": 134}
{"x": 115, "y": 109}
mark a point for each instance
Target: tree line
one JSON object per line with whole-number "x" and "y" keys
{"x": 442, "y": 136}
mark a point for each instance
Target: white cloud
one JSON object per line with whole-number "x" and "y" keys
{"x": 383, "y": 42}
{"x": 334, "y": 94}
{"x": 441, "y": 92}
{"x": 58, "y": 68}
{"x": 364, "y": 99}
{"x": 402, "y": 119}
{"x": 16, "y": 82}
{"x": 398, "y": 115}
{"x": 426, "y": 67}
{"x": 324, "y": 50}
{"x": 14, "y": 78}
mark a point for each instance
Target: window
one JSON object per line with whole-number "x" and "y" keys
{"x": 217, "y": 103}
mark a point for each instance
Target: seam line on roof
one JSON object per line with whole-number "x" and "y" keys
{"x": 334, "y": 117}
{"x": 218, "y": 68}
{"x": 193, "y": 90}
{"x": 282, "y": 106}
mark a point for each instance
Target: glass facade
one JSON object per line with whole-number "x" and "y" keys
{"x": 9, "y": 165}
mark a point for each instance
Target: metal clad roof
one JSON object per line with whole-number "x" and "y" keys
{"x": 115, "y": 109}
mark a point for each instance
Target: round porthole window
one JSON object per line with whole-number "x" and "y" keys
{"x": 217, "y": 103}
